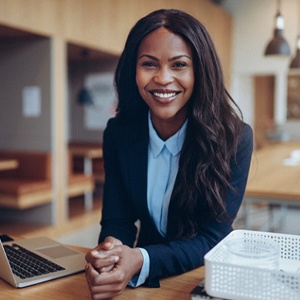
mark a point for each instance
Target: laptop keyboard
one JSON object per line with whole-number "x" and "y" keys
{"x": 26, "y": 264}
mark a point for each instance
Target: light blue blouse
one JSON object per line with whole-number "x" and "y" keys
{"x": 163, "y": 157}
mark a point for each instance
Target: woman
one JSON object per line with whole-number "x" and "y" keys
{"x": 176, "y": 157}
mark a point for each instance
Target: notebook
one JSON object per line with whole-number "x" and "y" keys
{"x": 31, "y": 261}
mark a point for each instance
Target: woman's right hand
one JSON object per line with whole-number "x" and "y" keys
{"x": 103, "y": 258}
{"x": 110, "y": 266}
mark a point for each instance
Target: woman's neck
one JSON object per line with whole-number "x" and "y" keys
{"x": 167, "y": 128}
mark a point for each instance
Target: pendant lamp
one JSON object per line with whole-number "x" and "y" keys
{"x": 295, "y": 63}
{"x": 278, "y": 45}
{"x": 84, "y": 96}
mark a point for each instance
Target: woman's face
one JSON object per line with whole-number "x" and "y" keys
{"x": 165, "y": 77}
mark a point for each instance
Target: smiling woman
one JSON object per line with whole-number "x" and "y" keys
{"x": 176, "y": 157}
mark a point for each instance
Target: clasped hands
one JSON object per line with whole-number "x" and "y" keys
{"x": 110, "y": 266}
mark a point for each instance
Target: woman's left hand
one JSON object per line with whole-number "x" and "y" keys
{"x": 105, "y": 285}
{"x": 101, "y": 258}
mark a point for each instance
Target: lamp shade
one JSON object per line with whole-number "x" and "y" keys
{"x": 278, "y": 45}
{"x": 295, "y": 63}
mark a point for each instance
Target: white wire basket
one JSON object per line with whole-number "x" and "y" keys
{"x": 231, "y": 281}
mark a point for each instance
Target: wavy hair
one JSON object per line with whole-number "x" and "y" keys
{"x": 214, "y": 126}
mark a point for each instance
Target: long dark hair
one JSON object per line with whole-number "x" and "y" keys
{"x": 213, "y": 129}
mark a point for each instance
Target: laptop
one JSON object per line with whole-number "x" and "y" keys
{"x": 31, "y": 261}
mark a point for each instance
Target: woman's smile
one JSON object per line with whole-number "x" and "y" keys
{"x": 164, "y": 96}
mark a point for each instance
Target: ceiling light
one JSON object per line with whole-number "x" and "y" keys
{"x": 278, "y": 45}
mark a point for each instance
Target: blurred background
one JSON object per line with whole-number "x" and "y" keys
{"x": 57, "y": 60}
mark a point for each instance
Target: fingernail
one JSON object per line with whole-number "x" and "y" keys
{"x": 108, "y": 244}
{"x": 116, "y": 258}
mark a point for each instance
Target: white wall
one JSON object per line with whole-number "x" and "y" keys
{"x": 25, "y": 63}
{"x": 253, "y": 28}
{"x": 77, "y": 71}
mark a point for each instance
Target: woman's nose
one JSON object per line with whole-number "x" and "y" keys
{"x": 163, "y": 76}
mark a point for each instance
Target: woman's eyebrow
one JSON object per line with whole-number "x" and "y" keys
{"x": 170, "y": 59}
{"x": 180, "y": 56}
{"x": 148, "y": 56}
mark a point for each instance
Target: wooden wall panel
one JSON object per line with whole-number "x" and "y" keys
{"x": 264, "y": 108}
{"x": 104, "y": 24}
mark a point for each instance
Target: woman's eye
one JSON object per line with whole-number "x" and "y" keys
{"x": 148, "y": 64}
{"x": 179, "y": 64}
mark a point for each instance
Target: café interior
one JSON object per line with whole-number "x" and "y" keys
{"x": 57, "y": 61}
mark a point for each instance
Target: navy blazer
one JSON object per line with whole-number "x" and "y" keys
{"x": 125, "y": 150}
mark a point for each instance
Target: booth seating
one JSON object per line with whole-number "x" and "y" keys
{"x": 30, "y": 184}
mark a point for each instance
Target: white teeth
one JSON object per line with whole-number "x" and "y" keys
{"x": 164, "y": 95}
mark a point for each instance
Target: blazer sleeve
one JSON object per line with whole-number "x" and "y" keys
{"x": 118, "y": 216}
{"x": 179, "y": 256}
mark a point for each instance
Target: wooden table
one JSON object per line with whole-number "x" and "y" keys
{"x": 271, "y": 181}
{"x": 88, "y": 152}
{"x": 75, "y": 287}
{"x": 7, "y": 164}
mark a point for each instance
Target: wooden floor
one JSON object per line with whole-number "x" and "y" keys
{"x": 78, "y": 219}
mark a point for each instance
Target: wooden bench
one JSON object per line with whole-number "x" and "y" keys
{"x": 30, "y": 184}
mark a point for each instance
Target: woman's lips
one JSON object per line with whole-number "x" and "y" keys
{"x": 164, "y": 97}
